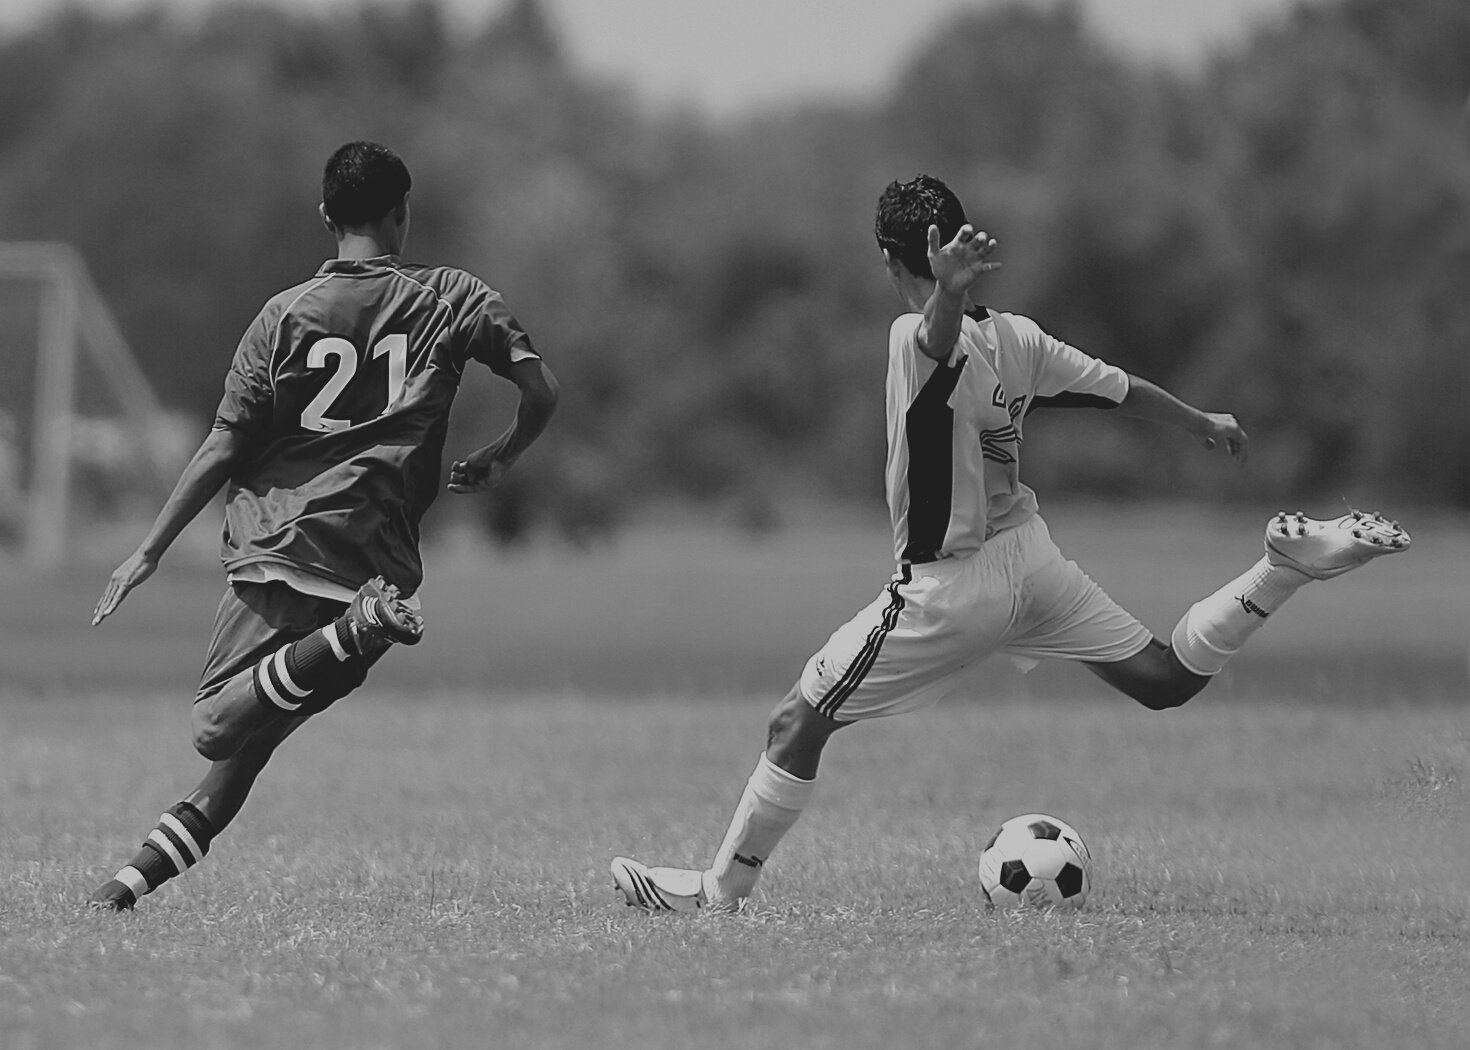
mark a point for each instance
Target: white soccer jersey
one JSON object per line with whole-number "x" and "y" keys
{"x": 954, "y": 427}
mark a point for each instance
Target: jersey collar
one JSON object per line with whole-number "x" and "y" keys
{"x": 358, "y": 266}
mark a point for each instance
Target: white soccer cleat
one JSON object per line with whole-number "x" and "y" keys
{"x": 665, "y": 889}
{"x": 1323, "y": 549}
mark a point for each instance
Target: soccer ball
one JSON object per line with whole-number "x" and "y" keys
{"x": 1038, "y": 861}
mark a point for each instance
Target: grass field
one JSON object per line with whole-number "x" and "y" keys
{"x": 1282, "y": 863}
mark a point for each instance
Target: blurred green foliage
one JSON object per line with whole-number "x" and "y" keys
{"x": 1284, "y": 235}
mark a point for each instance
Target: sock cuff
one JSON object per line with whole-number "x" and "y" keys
{"x": 134, "y": 880}
{"x": 1196, "y": 654}
{"x": 773, "y": 784}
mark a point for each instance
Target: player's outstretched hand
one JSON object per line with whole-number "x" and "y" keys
{"x": 125, "y": 577}
{"x": 960, "y": 263}
{"x": 1220, "y": 428}
{"x": 480, "y": 470}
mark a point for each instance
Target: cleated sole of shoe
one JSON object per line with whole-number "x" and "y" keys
{"x": 1324, "y": 549}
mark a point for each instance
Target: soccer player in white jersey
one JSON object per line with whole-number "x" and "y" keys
{"x": 977, "y": 571}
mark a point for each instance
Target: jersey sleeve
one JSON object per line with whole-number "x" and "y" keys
{"x": 492, "y": 334}
{"x": 1065, "y": 375}
{"x": 249, "y": 396}
{"x": 903, "y": 356}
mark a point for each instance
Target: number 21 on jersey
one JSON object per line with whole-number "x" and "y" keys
{"x": 340, "y": 356}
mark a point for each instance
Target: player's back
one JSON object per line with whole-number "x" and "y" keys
{"x": 344, "y": 384}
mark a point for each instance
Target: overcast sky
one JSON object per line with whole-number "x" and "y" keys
{"x": 731, "y": 56}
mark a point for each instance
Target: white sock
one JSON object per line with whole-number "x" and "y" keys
{"x": 769, "y": 806}
{"x": 1214, "y": 629}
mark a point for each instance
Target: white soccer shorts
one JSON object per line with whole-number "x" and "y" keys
{"x": 1016, "y": 595}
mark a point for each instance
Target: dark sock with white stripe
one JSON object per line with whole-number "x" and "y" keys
{"x": 287, "y": 679}
{"x": 179, "y": 842}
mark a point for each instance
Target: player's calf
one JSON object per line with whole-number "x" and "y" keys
{"x": 1154, "y": 677}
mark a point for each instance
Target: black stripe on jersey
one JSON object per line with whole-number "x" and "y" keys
{"x": 929, "y": 427}
{"x": 868, "y": 654}
{"x": 1066, "y": 399}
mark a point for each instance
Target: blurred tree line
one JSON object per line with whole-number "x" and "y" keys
{"x": 1284, "y": 234}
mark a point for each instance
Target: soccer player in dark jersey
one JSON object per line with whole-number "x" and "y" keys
{"x": 977, "y": 570}
{"x": 330, "y": 437}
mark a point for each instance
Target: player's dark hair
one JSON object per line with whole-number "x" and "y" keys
{"x": 363, "y": 182}
{"x": 907, "y": 210}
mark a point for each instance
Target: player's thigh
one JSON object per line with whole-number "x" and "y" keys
{"x": 903, "y": 651}
{"x": 1064, "y": 614}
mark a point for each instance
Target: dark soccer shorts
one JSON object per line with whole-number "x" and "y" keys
{"x": 256, "y": 619}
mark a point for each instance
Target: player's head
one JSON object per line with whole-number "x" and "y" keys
{"x": 364, "y": 188}
{"x": 906, "y": 211}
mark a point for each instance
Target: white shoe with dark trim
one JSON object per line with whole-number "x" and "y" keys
{"x": 665, "y": 889}
{"x": 1323, "y": 549}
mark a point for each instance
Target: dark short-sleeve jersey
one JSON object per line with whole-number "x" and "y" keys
{"x": 344, "y": 385}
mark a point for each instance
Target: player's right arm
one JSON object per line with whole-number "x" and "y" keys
{"x": 206, "y": 473}
{"x": 956, "y": 266}
{"x": 243, "y": 413}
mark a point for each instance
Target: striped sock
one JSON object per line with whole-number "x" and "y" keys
{"x": 179, "y": 842}
{"x": 286, "y": 679}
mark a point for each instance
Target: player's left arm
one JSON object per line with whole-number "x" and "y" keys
{"x": 484, "y": 467}
{"x": 1066, "y": 376}
{"x": 1146, "y": 400}
{"x": 213, "y": 463}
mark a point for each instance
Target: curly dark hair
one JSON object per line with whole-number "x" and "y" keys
{"x": 363, "y": 182}
{"x": 907, "y": 210}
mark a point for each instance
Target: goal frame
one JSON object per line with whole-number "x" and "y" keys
{"x": 73, "y": 319}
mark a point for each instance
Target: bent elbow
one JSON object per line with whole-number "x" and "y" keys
{"x": 544, "y": 395}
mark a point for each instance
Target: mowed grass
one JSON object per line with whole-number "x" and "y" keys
{"x": 434, "y": 873}
{"x": 1282, "y": 863}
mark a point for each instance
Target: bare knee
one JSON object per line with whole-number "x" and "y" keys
{"x": 1169, "y": 693}
{"x": 785, "y": 720}
{"x": 796, "y": 735}
{"x": 211, "y": 738}
{"x": 1154, "y": 677}
{"x": 796, "y": 722}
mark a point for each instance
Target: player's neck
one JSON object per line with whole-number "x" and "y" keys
{"x": 363, "y": 246}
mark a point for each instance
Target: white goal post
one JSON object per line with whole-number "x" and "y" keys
{"x": 73, "y": 319}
